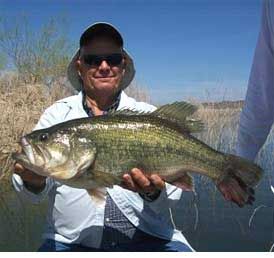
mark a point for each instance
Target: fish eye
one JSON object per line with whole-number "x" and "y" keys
{"x": 43, "y": 137}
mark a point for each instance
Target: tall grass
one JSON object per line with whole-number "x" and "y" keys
{"x": 21, "y": 106}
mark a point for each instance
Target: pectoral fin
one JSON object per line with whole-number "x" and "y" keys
{"x": 98, "y": 195}
{"x": 104, "y": 179}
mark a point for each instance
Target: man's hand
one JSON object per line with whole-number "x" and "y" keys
{"x": 138, "y": 182}
{"x": 32, "y": 181}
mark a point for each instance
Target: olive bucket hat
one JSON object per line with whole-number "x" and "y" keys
{"x": 92, "y": 31}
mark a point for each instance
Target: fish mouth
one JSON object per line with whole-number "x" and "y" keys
{"x": 27, "y": 150}
{"x": 20, "y": 158}
{"x": 23, "y": 159}
{"x": 27, "y": 156}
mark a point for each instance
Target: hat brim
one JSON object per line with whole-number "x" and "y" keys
{"x": 77, "y": 83}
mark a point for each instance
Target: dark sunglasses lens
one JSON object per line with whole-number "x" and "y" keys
{"x": 114, "y": 59}
{"x": 93, "y": 60}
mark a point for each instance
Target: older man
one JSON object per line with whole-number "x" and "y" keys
{"x": 133, "y": 218}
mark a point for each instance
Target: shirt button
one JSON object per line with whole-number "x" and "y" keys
{"x": 113, "y": 243}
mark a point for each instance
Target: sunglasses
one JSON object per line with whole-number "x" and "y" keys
{"x": 96, "y": 60}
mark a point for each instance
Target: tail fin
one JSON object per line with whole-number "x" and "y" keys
{"x": 239, "y": 179}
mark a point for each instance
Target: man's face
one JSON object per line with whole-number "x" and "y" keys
{"x": 99, "y": 73}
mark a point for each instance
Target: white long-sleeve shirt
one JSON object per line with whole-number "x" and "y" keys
{"x": 72, "y": 215}
{"x": 257, "y": 115}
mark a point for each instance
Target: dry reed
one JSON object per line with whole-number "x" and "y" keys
{"x": 21, "y": 107}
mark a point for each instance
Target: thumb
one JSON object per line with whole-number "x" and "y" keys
{"x": 18, "y": 168}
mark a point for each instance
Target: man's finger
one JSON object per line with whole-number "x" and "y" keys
{"x": 28, "y": 176}
{"x": 157, "y": 181}
{"x": 140, "y": 180}
{"x": 128, "y": 183}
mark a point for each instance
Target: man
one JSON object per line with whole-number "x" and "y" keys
{"x": 133, "y": 218}
{"x": 257, "y": 115}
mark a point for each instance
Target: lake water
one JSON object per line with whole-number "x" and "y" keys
{"x": 209, "y": 223}
{"x": 216, "y": 225}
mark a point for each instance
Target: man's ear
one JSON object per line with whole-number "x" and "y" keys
{"x": 78, "y": 67}
{"x": 124, "y": 65}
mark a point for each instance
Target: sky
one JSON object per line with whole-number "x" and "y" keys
{"x": 182, "y": 49}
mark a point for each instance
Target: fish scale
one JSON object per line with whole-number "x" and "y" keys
{"x": 120, "y": 140}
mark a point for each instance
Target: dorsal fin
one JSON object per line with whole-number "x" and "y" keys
{"x": 127, "y": 112}
{"x": 177, "y": 112}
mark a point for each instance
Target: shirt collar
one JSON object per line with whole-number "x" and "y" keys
{"x": 112, "y": 107}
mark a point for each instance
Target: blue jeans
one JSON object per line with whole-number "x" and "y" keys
{"x": 159, "y": 245}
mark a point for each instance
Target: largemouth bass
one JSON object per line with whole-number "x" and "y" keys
{"x": 95, "y": 152}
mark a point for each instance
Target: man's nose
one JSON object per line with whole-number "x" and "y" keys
{"x": 104, "y": 65}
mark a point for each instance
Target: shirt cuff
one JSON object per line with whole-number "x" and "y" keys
{"x": 28, "y": 195}
{"x": 167, "y": 198}
{"x": 151, "y": 196}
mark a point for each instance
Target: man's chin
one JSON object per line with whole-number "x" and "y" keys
{"x": 105, "y": 80}
{"x": 107, "y": 84}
